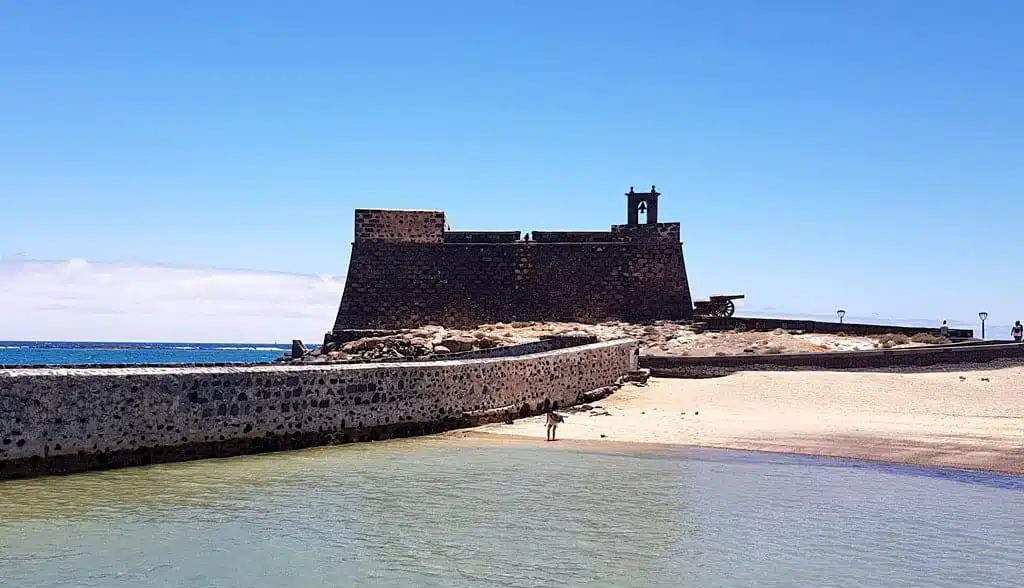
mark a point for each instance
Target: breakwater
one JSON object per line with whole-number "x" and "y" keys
{"x": 808, "y": 326}
{"x": 63, "y": 420}
{"x": 868, "y": 360}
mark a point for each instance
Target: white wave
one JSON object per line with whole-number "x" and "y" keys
{"x": 250, "y": 348}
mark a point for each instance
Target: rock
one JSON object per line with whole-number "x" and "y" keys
{"x": 363, "y": 345}
{"x": 488, "y": 342}
{"x": 298, "y": 349}
{"x": 420, "y": 342}
{"x": 441, "y": 349}
{"x": 459, "y": 343}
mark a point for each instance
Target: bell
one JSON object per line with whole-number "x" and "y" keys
{"x": 643, "y": 207}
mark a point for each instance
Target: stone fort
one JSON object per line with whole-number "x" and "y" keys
{"x": 408, "y": 270}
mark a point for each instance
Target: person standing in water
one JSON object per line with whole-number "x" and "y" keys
{"x": 1017, "y": 331}
{"x": 552, "y": 424}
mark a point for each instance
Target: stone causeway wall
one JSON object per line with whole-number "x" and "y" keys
{"x": 62, "y": 420}
{"x": 908, "y": 359}
{"x": 807, "y": 326}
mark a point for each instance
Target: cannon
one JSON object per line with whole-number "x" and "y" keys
{"x": 716, "y": 306}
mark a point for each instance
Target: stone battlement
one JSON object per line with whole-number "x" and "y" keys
{"x": 399, "y": 226}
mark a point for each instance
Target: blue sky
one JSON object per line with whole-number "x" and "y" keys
{"x": 828, "y": 154}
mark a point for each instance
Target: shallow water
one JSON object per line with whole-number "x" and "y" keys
{"x": 428, "y": 513}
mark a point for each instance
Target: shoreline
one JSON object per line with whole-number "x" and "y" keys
{"x": 966, "y": 420}
{"x": 477, "y": 438}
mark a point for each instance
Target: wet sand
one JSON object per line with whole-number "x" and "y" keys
{"x": 966, "y": 419}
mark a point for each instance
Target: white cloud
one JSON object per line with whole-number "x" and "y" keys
{"x": 80, "y": 301}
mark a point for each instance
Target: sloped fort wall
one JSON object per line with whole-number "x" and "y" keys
{"x": 66, "y": 420}
{"x": 405, "y": 277}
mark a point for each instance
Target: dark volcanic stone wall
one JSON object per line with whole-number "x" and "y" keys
{"x": 874, "y": 359}
{"x": 571, "y": 236}
{"x": 405, "y": 226}
{"x": 402, "y": 285}
{"x": 60, "y": 420}
{"x": 482, "y": 236}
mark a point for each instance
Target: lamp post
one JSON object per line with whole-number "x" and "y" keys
{"x": 840, "y": 313}
{"x": 983, "y": 315}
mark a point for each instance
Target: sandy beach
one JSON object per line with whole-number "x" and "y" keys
{"x": 965, "y": 419}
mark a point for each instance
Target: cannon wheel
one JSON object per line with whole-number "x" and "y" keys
{"x": 715, "y": 308}
{"x": 726, "y": 308}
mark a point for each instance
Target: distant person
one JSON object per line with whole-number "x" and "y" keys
{"x": 1017, "y": 331}
{"x": 553, "y": 420}
{"x": 944, "y": 330}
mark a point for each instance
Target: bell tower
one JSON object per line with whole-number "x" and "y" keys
{"x": 638, "y": 203}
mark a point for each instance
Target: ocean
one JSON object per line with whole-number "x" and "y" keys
{"x": 113, "y": 353}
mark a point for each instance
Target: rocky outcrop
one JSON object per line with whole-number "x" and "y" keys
{"x": 428, "y": 341}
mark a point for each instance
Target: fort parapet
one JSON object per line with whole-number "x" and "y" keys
{"x": 407, "y": 270}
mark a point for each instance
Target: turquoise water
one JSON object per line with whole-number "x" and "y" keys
{"x": 73, "y": 352}
{"x": 428, "y": 512}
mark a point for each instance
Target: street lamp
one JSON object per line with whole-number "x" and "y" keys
{"x": 840, "y": 313}
{"x": 983, "y": 316}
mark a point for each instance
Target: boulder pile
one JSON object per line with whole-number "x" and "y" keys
{"x": 425, "y": 341}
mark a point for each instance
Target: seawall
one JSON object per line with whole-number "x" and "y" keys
{"x": 808, "y": 326}
{"x": 63, "y": 420}
{"x": 868, "y": 360}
